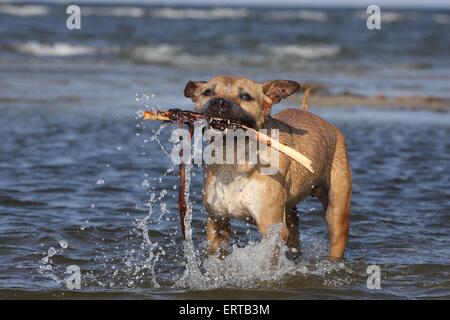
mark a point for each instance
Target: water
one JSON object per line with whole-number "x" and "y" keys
{"x": 83, "y": 181}
{"x": 408, "y": 56}
{"x": 124, "y": 234}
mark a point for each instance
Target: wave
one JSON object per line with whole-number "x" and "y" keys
{"x": 57, "y": 49}
{"x": 24, "y": 11}
{"x": 307, "y": 51}
{"x": 148, "y": 54}
{"x": 386, "y": 17}
{"x": 312, "y": 15}
{"x": 169, "y": 54}
{"x": 164, "y": 53}
{"x": 200, "y": 14}
{"x": 230, "y": 13}
{"x": 134, "y": 12}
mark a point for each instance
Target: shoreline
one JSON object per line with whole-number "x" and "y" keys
{"x": 322, "y": 98}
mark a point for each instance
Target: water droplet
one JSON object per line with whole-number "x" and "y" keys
{"x": 51, "y": 251}
{"x": 119, "y": 148}
{"x": 64, "y": 244}
{"x": 100, "y": 181}
{"x": 44, "y": 260}
{"x": 145, "y": 184}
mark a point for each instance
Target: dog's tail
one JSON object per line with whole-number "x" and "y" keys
{"x": 304, "y": 105}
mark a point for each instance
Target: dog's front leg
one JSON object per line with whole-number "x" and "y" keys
{"x": 271, "y": 217}
{"x": 293, "y": 237}
{"x": 218, "y": 233}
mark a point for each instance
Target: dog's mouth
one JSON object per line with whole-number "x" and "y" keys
{"x": 228, "y": 110}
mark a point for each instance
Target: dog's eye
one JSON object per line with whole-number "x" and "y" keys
{"x": 208, "y": 93}
{"x": 245, "y": 97}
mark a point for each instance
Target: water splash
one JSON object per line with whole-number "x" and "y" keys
{"x": 150, "y": 247}
{"x": 246, "y": 267}
{"x": 47, "y": 268}
{"x": 192, "y": 274}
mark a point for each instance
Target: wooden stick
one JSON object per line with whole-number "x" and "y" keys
{"x": 182, "y": 205}
{"x": 160, "y": 116}
{"x": 297, "y": 156}
{"x": 290, "y": 152}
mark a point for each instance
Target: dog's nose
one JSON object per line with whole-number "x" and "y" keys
{"x": 217, "y": 106}
{"x": 220, "y": 103}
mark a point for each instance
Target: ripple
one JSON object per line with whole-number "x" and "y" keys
{"x": 14, "y": 202}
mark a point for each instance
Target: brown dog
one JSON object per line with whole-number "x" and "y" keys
{"x": 243, "y": 192}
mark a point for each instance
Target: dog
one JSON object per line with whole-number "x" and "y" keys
{"x": 239, "y": 191}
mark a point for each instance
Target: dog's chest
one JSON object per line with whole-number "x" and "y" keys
{"x": 232, "y": 195}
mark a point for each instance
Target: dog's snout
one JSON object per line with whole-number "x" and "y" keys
{"x": 220, "y": 103}
{"x": 217, "y": 107}
{"x": 227, "y": 109}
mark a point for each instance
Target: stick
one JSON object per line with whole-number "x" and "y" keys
{"x": 182, "y": 206}
{"x": 297, "y": 156}
{"x": 189, "y": 117}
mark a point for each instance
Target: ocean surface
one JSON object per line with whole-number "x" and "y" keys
{"x": 84, "y": 181}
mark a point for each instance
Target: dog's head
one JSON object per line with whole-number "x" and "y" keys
{"x": 238, "y": 99}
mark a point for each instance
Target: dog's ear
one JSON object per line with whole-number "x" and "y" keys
{"x": 192, "y": 89}
{"x": 279, "y": 89}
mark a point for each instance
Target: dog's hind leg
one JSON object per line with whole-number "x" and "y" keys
{"x": 339, "y": 198}
{"x": 218, "y": 233}
{"x": 321, "y": 193}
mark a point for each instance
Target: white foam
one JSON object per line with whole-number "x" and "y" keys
{"x": 312, "y": 15}
{"x": 57, "y": 49}
{"x": 24, "y": 11}
{"x": 389, "y": 17}
{"x": 386, "y": 16}
{"x": 307, "y": 51}
{"x": 201, "y": 14}
{"x": 163, "y": 53}
{"x": 134, "y": 12}
{"x": 172, "y": 55}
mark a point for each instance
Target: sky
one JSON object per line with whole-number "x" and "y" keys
{"x": 358, "y": 3}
